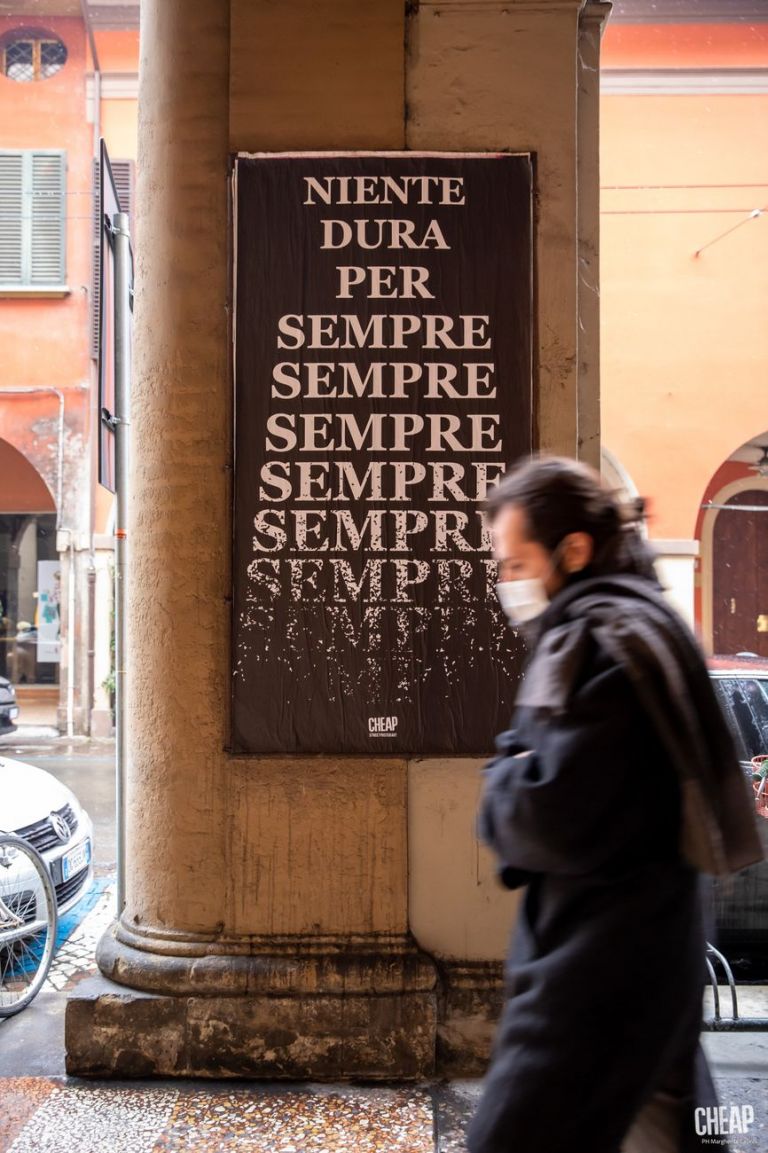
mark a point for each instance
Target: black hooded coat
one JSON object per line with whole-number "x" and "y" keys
{"x": 585, "y": 806}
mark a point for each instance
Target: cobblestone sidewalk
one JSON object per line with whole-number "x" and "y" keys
{"x": 78, "y": 935}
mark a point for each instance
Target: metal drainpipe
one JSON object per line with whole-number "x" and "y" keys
{"x": 89, "y": 694}
{"x": 91, "y": 576}
{"x": 71, "y": 640}
{"x": 86, "y": 15}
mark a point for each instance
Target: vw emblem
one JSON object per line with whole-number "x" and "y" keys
{"x": 59, "y": 826}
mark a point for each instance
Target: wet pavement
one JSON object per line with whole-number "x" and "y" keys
{"x": 44, "y": 1111}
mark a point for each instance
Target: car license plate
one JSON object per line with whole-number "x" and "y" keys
{"x": 13, "y": 713}
{"x": 75, "y": 860}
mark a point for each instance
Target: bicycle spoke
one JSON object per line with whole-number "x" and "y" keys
{"x": 27, "y": 923}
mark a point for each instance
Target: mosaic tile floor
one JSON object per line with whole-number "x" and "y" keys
{"x": 52, "y": 1116}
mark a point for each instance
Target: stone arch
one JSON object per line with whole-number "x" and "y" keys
{"x": 616, "y": 475}
{"x": 24, "y": 489}
{"x": 27, "y": 509}
{"x": 735, "y": 475}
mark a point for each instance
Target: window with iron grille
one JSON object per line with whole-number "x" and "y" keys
{"x": 32, "y": 218}
{"x": 29, "y": 56}
{"x": 123, "y": 174}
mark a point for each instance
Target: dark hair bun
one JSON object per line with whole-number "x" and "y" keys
{"x": 559, "y": 496}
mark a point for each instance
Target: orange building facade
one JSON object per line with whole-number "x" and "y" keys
{"x": 684, "y": 251}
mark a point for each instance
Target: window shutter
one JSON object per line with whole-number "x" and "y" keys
{"x": 46, "y": 258}
{"x": 11, "y": 213}
{"x": 122, "y": 171}
{"x": 95, "y": 264}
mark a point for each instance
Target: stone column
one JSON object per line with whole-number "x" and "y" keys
{"x": 178, "y": 582}
{"x": 265, "y": 927}
{"x": 591, "y": 26}
{"x": 177, "y": 610}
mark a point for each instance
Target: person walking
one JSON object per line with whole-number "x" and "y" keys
{"x": 615, "y": 797}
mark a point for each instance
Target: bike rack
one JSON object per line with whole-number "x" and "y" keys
{"x": 734, "y": 1023}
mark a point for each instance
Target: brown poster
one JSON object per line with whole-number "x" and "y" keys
{"x": 382, "y": 385}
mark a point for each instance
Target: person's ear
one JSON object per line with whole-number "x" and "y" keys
{"x": 578, "y": 551}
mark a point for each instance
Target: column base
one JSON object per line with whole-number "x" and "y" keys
{"x": 102, "y": 723}
{"x": 359, "y": 1010}
{"x": 79, "y": 719}
{"x": 469, "y": 1006}
{"x": 112, "y": 1031}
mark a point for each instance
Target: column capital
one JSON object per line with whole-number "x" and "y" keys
{"x": 596, "y": 12}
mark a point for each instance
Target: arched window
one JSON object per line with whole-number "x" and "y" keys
{"x": 32, "y": 56}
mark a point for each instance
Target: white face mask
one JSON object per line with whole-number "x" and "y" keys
{"x": 522, "y": 600}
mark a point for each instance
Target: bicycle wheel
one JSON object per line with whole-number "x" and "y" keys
{"x": 28, "y": 919}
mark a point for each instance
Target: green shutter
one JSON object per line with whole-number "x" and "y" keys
{"x": 11, "y": 200}
{"x": 122, "y": 171}
{"x": 47, "y": 182}
{"x": 32, "y": 218}
{"x": 95, "y": 262}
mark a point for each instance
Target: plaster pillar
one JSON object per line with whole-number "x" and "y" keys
{"x": 101, "y": 711}
{"x": 505, "y": 75}
{"x": 67, "y": 630}
{"x": 676, "y": 566}
{"x": 265, "y": 928}
{"x": 519, "y": 76}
